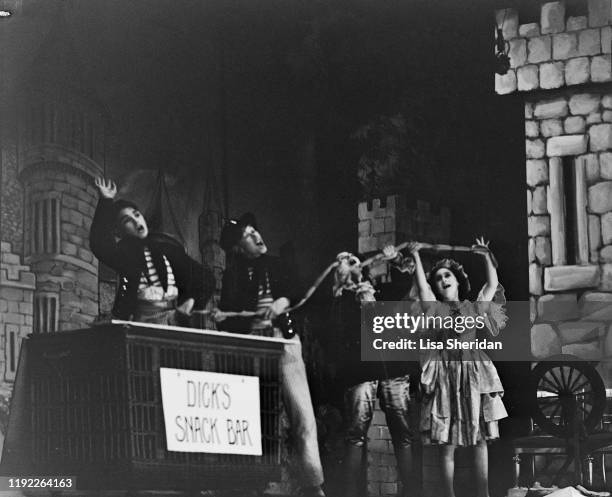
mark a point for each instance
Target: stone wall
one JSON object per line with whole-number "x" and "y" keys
{"x": 568, "y": 148}
{"x": 17, "y": 285}
{"x": 57, "y": 239}
{"x": 396, "y": 219}
{"x": 559, "y": 51}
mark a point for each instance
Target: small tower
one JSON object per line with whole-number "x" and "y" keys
{"x": 61, "y": 137}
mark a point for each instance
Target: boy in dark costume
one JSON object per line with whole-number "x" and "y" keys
{"x": 256, "y": 281}
{"x": 158, "y": 282}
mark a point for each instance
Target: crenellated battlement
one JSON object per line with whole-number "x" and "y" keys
{"x": 558, "y": 51}
{"x": 396, "y": 219}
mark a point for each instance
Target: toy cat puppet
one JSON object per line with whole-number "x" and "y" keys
{"x": 348, "y": 276}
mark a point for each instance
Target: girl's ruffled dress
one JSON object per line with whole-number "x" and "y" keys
{"x": 462, "y": 391}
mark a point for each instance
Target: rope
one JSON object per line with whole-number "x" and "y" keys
{"x": 371, "y": 260}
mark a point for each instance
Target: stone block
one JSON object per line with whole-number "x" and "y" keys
{"x": 551, "y": 75}
{"x": 605, "y": 254}
{"x": 362, "y": 211}
{"x": 529, "y": 30}
{"x": 599, "y": 12}
{"x": 591, "y": 167}
{"x": 544, "y": 341}
{"x": 538, "y": 225}
{"x": 549, "y": 109}
{"x": 561, "y": 278}
{"x": 565, "y": 46}
{"x": 518, "y": 52}
{"x": 578, "y": 331}
{"x": 13, "y": 318}
{"x": 85, "y": 255}
{"x": 605, "y": 162}
{"x": 606, "y": 228}
{"x": 601, "y": 69}
{"x": 606, "y": 277}
{"x": 531, "y": 249}
{"x": 577, "y": 71}
{"x": 596, "y": 306}
{"x": 558, "y": 307}
{"x": 532, "y": 129}
{"x": 543, "y": 250}
{"x": 26, "y": 308}
{"x": 534, "y": 149}
{"x": 535, "y": 279}
{"x": 539, "y": 49}
{"x": 606, "y": 116}
{"x": 552, "y": 18}
{"x": 529, "y": 110}
{"x": 600, "y": 197}
{"x": 537, "y": 172}
{"x": 365, "y": 227}
{"x": 551, "y": 127}
{"x": 588, "y": 351}
{"x": 506, "y": 83}
{"x": 508, "y": 20}
{"x": 606, "y": 39}
{"x": 594, "y": 118}
{"x": 600, "y": 137}
{"x": 378, "y": 226}
{"x": 574, "y": 124}
{"x": 14, "y": 294}
{"x": 589, "y": 42}
{"x": 527, "y": 78}
{"x": 584, "y": 103}
{"x": 366, "y": 245}
{"x": 559, "y": 146}
{"x": 69, "y": 248}
{"x": 594, "y": 236}
{"x": 529, "y": 206}
{"x": 576, "y": 23}
{"x": 538, "y": 203}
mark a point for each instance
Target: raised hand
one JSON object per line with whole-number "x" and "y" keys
{"x": 389, "y": 253}
{"x": 413, "y": 247}
{"x": 106, "y": 188}
{"x": 481, "y": 246}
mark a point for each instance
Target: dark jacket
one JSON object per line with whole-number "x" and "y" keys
{"x": 239, "y": 290}
{"x": 127, "y": 258}
{"x": 346, "y": 319}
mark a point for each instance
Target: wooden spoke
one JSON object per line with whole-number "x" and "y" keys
{"x": 552, "y": 373}
{"x": 578, "y": 378}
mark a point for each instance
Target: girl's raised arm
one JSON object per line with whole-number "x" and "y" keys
{"x": 490, "y": 287}
{"x": 419, "y": 273}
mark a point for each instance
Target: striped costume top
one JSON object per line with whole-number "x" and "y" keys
{"x": 150, "y": 287}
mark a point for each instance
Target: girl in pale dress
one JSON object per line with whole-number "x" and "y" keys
{"x": 462, "y": 390}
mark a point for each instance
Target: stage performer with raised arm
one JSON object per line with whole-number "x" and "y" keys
{"x": 394, "y": 384}
{"x": 158, "y": 282}
{"x": 256, "y": 281}
{"x": 461, "y": 388}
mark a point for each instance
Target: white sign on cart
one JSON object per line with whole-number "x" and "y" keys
{"x": 211, "y": 412}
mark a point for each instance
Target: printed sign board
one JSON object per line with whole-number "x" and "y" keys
{"x": 211, "y": 412}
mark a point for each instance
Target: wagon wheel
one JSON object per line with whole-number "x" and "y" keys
{"x": 562, "y": 388}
